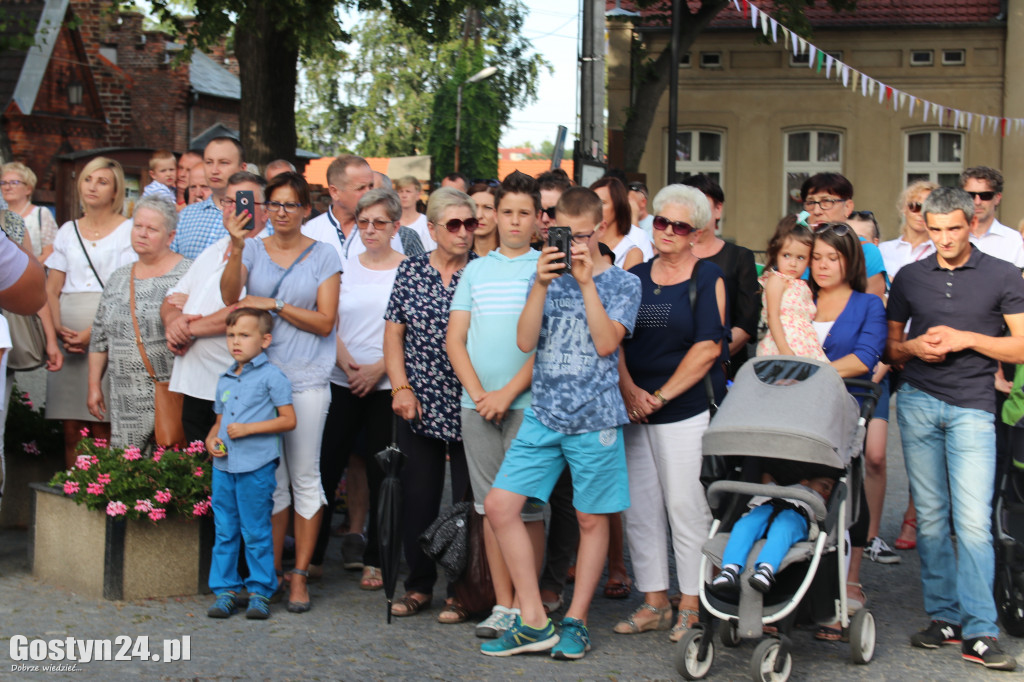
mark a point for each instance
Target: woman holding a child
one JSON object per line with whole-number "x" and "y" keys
{"x": 297, "y": 279}
{"x": 673, "y": 347}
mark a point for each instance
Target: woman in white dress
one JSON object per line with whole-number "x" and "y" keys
{"x": 86, "y": 252}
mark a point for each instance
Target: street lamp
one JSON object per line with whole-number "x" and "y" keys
{"x": 478, "y": 76}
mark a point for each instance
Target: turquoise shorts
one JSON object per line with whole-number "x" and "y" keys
{"x": 596, "y": 459}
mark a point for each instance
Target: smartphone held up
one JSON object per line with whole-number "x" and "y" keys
{"x": 561, "y": 237}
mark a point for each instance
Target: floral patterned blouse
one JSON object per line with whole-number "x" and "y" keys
{"x": 420, "y": 301}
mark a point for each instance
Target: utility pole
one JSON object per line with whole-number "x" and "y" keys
{"x": 590, "y": 146}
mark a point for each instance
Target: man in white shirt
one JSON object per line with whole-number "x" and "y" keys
{"x": 985, "y": 185}
{"x": 194, "y": 314}
{"x": 638, "y": 202}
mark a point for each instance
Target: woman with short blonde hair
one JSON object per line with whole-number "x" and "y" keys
{"x": 17, "y": 183}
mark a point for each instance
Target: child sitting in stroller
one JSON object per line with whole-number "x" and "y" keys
{"x": 786, "y": 523}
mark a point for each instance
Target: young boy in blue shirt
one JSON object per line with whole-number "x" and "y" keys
{"x": 575, "y": 321}
{"x": 494, "y": 373}
{"x": 253, "y": 405}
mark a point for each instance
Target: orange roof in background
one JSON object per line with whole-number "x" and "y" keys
{"x": 316, "y": 170}
{"x": 532, "y": 167}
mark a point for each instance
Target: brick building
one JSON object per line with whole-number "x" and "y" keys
{"x": 95, "y": 79}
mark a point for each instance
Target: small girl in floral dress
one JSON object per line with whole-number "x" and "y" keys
{"x": 787, "y": 306}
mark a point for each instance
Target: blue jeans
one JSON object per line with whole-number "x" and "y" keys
{"x": 788, "y": 528}
{"x": 242, "y": 505}
{"x": 950, "y": 452}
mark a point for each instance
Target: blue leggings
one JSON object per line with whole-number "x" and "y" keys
{"x": 788, "y": 528}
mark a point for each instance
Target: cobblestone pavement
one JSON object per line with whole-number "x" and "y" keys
{"x": 345, "y": 636}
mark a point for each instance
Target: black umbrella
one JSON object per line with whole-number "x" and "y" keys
{"x": 389, "y": 513}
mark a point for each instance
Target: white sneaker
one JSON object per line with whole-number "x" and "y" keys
{"x": 494, "y": 625}
{"x": 880, "y": 552}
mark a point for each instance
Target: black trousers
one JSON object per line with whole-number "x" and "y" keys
{"x": 350, "y": 418}
{"x": 197, "y": 418}
{"x": 422, "y": 488}
{"x": 563, "y": 536}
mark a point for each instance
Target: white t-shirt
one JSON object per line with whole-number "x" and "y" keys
{"x": 324, "y": 228}
{"x": 5, "y": 346}
{"x": 420, "y": 225}
{"x": 642, "y": 240}
{"x": 107, "y": 255}
{"x": 362, "y": 302}
{"x": 196, "y": 372}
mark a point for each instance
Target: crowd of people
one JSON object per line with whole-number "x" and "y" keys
{"x": 568, "y": 382}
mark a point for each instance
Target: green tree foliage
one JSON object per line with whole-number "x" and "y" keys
{"x": 403, "y": 87}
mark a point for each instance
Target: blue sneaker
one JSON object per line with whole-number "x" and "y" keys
{"x": 259, "y": 607}
{"x": 520, "y": 639}
{"x": 575, "y": 641}
{"x": 225, "y": 606}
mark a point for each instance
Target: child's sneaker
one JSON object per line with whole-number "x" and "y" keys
{"x": 726, "y": 583}
{"x": 259, "y": 607}
{"x": 763, "y": 579}
{"x": 880, "y": 553}
{"x": 986, "y": 651}
{"x": 500, "y": 620}
{"x": 575, "y": 640}
{"x": 520, "y": 639}
{"x": 225, "y": 606}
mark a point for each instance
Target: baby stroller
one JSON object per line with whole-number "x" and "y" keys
{"x": 792, "y": 418}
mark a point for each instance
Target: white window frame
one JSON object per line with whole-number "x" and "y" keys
{"x": 713, "y": 53}
{"x": 954, "y": 57}
{"x": 930, "y": 61}
{"x": 697, "y": 166}
{"x": 810, "y": 167}
{"x": 932, "y": 168}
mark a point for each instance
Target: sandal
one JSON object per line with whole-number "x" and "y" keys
{"x": 618, "y": 589}
{"x": 662, "y": 620}
{"x": 452, "y": 613}
{"x": 852, "y": 604}
{"x": 552, "y": 606}
{"x": 828, "y": 633}
{"x": 687, "y": 618}
{"x": 372, "y": 579}
{"x": 299, "y": 606}
{"x": 409, "y": 605}
{"x": 900, "y": 542}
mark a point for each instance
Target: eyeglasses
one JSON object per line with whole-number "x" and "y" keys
{"x": 863, "y": 215}
{"x": 679, "y": 228}
{"x": 637, "y": 187}
{"x": 378, "y": 223}
{"x": 582, "y": 238}
{"x": 288, "y": 206}
{"x": 825, "y": 204}
{"x": 984, "y": 196}
{"x": 549, "y": 212}
{"x": 454, "y": 225}
{"x": 228, "y": 202}
{"x": 914, "y": 206}
{"x": 840, "y": 229}
{"x": 10, "y": 183}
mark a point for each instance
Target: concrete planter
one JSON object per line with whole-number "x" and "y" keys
{"x": 98, "y": 556}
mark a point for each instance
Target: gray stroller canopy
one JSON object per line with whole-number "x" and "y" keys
{"x": 785, "y": 407}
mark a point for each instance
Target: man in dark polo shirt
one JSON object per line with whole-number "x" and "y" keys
{"x": 959, "y": 302}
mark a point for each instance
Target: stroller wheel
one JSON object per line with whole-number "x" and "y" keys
{"x": 862, "y": 637}
{"x": 687, "y": 651}
{"x": 765, "y": 659}
{"x": 1010, "y": 602}
{"x": 729, "y": 634}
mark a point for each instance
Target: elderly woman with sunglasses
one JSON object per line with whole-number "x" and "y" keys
{"x": 297, "y": 279}
{"x": 425, "y": 391}
{"x": 661, "y": 376}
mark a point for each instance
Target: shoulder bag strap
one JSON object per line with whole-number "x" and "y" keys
{"x": 273, "y": 294}
{"x": 135, "y": 324}
{"x": 89, "y": 260}
{"x": 708, "y": 388}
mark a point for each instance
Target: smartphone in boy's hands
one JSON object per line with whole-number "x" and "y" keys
{"x": 244, "y": 200}
{"x": 561, "y": 237}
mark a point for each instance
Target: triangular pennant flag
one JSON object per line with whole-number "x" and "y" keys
{"x": 927, "y": 109}
{"x": 737, "y": 4}
{"x": 896, "y": 100}
{"x": 796, "y": 44}
{"x": 871, "y": 86}
{"x": 764, "y": 23}
{"x": 753, "y": 16}
{"x": 888, "y": 92}
{"x": 913, "y": 101}
{"x": 819, "y": 62}
{"x": 804, "y": 45}
{"x": 828, "y": 65}
{"x": 956, "y": 118}
{"x": 845, "y": 71}
{"x": 1002, "y": 127}
{"x": 864, "y": 86}
{"x": 746, "y": 6}
{"x": 856, "y": 78}
{"x": 942, "y": 111}
{"x": 811, "y": 54}
{"x": 785, "y": 37}
{"x": 903, "y": 100}
{"x": 970, "y": 120}
{"x": 881, "y": 91}
{"x": 775, "y": 31}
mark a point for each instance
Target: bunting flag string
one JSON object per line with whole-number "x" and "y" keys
{"x": 819, "y": 59}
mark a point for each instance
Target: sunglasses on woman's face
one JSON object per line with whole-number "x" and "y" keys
{"x": 454, "y": 225}
{"x": 914, "y": 206}
{"x": 840, "y": 229}
{"x": 679, "y": 228}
